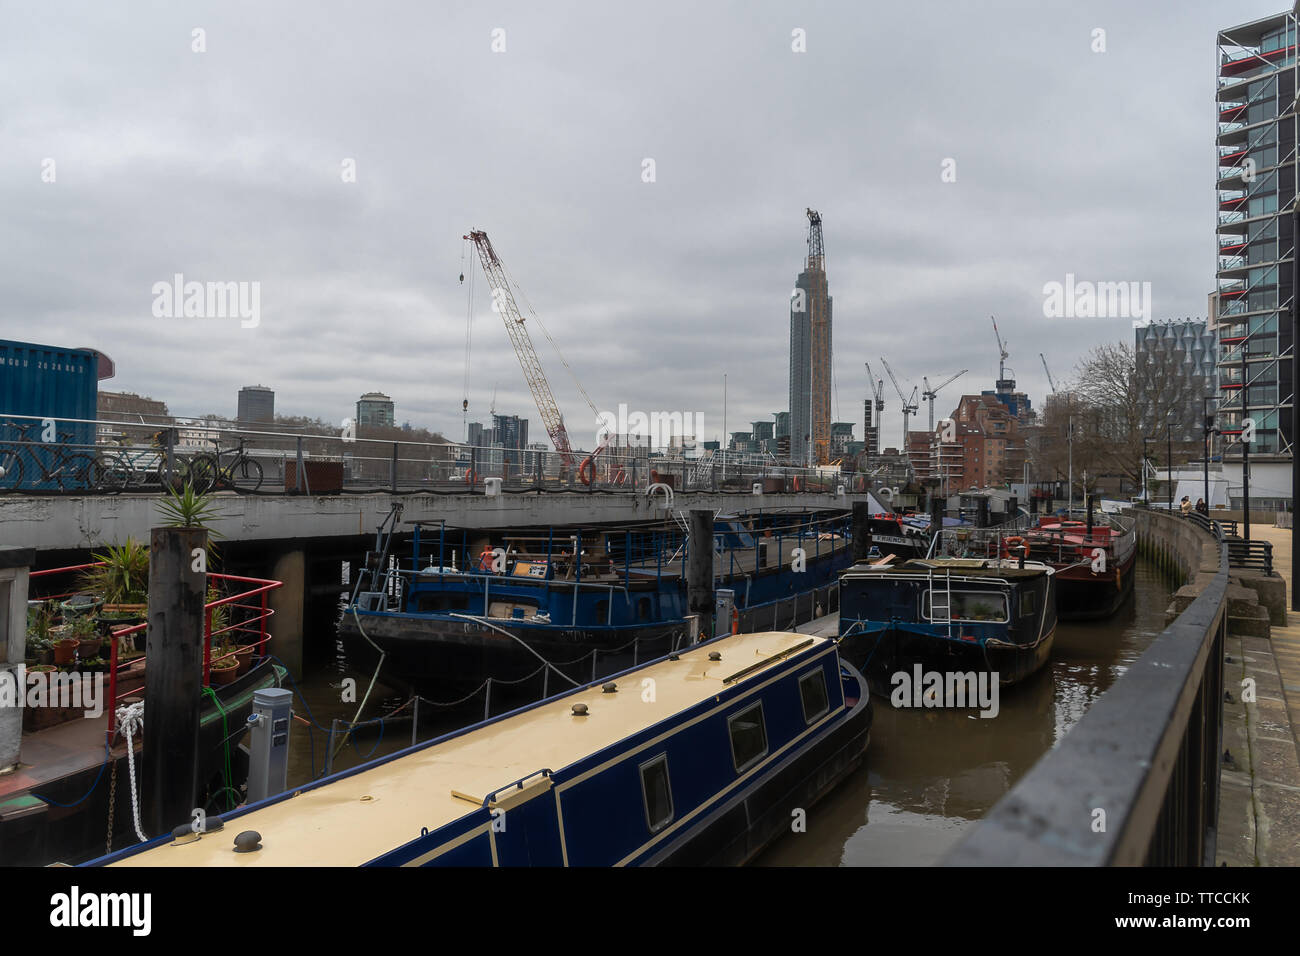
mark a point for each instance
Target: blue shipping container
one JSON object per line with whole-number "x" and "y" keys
{"x": 50, "y": 383}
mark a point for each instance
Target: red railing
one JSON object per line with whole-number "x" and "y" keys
{"x": 248, "y": 616}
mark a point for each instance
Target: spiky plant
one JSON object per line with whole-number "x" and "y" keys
{"x": 122, "y": 576}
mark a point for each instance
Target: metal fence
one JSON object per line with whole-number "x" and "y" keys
{"x": 1136, "y": 781}
{"x": 145, "y": 457}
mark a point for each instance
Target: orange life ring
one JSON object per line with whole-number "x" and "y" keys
{"x": 471, "y": 477}
{"x": 735, "y": 620}
{"x": 586, "y": 471}
{"x": 654, "y": 477}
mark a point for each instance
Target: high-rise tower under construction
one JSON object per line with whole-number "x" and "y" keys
{"x": 810, "y": 355}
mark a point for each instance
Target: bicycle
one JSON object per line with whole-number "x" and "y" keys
{"x": 68, "y": 470}
{"x": 208, "y": 474}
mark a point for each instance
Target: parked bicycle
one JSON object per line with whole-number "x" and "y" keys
{"x": 241, "y": 473}
{"x": 29, "y": 462}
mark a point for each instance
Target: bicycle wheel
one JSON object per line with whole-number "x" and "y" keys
{"x": 250, "y": 474}
{"x": 76, "y": 473}
{"x": 11, "y": 469}
{"x": 204, "y": 473}
{"x": 114, "y": 474}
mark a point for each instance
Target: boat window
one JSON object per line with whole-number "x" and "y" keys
{"x": 643, "y": 609}
{"x": 977, "y": 606}
{"x": 748, "y": 737}
{"x": 812, "y": 689}
{"x": 657, "y": 792}
{"x": 1027, "y": 603}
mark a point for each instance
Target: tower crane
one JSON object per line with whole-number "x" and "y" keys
{"x": 909, "y": 404}
{"x": 871, "y": 432}
{"x": 1050, "y": 382}
{"x": 1003, "y": 384}
{"x": 930, "y": 393}
{"x": 503, "y": 301}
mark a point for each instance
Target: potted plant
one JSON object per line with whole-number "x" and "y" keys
{"x": 40, "y": 642}
{"x": 121, "y": 579}
{"x": 87, "y": 637}
{"x": 225, "y": 669}
{"x": 81, "y": 603}
{"x": 42, "y": 669}
{"x": 65, "y": 649}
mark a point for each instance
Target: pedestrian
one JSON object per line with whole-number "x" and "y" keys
{"x": 1202, "y": 507}
{"x": 1186, "y": 505}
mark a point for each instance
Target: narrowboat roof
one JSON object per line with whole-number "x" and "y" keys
{"x": 968, "y": 567}
{"x": 352, "y": 818}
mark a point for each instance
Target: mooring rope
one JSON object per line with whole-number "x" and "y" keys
{"x": 129, "y": 720}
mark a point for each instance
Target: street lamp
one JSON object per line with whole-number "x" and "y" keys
{"x": 1209, "y": 430}
{"x": 1146, "y": 495}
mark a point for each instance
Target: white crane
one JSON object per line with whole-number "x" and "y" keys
{"x": 929, "y": 393}
{"x": 909, "y": 404}
{"x": 1049, "y": 373}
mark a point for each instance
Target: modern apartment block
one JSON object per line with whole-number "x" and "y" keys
{"x": 1254, "y": 302}
{"x": 375, "y": 409}
{"x": 1187, "y": 351}
{"x": 256, "y": 405}
{"x": 810, "y": 356}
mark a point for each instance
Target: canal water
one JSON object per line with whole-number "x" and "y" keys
{"x": 928, "y": 775}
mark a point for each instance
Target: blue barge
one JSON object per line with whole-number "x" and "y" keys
{"x": 518, "y": 605}
{"x": 699, "y": 758}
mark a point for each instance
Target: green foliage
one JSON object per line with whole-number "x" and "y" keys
{"x": 185, "y": 507}
{"x": 123, "y": 575}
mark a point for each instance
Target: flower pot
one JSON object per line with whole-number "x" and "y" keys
{"x": 89, "y": 647}
{"x": 65, "y": 651}
{"x": 245, "y": 657}
{"x": 45, "y": 655}
{"x": 42, "y": 669}
{"x": 224, "y": 675}
{"x": 82, "y": 603}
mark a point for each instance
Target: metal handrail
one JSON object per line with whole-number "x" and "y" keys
{"x": 1147, "y": 755}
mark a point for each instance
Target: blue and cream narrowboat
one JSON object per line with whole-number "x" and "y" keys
{"x": 697, "y": 758}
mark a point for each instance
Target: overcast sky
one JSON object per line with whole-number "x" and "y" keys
{"x": 227, "y": 165}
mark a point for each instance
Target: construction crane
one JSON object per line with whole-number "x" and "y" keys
{"x": 930, "y": 393}
{"x": 1049, "y": 373}
{"x": 819, "y": 327}
{"x": 909, "y": 404}
{"x": 1004, "y": 384}
{"x": 503, "y": 300}
{"x": 871, "y": 423}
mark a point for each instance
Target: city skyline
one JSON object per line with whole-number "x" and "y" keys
{"x": 207, "y": 178}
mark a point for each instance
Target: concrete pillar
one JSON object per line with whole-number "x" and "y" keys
{"x": 14, "y": 569}
{"x": 173, "y": 688}
{"x": 289, "y": 604}
{"x": 861, "y": 531}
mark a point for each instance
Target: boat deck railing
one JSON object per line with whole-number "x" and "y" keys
{"x": 232, "y": 624}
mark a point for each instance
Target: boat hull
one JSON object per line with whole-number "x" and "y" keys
{"x": 900, "y": 649}
{"x": 1082, "y": 595}
{"x": 744, "y": 826}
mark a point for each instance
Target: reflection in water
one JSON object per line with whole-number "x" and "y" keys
{"x": 929, "y": 773}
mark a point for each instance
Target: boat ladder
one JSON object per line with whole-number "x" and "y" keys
{"x": 941, "y": 601}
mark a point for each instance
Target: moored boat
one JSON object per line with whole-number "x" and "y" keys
{"x": 1094, "y": 562}
{"x": 521, "y": 609}
{"x": 948, "y": 616}
{"x": 696, "y": 758}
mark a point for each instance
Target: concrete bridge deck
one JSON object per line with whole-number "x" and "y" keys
{"x": 73, "y": 522}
